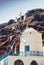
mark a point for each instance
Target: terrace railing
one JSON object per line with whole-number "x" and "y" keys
{"x": 29, "y": 53}
{"x": 32, "y": 53}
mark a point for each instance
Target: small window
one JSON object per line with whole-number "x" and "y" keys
{"x": 34, "y": 63}
{"x": 18, "y": 62}
{"x": 27, "y": 48}
{"x": 30, "y": 33}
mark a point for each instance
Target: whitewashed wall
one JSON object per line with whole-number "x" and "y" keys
{"x": 26, "y": 60}
{"x": 32, "y": 38}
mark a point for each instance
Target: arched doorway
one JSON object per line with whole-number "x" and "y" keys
{"x": 34, "y": 63}
{"x": 18, "y": 62}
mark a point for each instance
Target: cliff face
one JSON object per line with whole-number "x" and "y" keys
{"x": 10, "y": 32}
{"x": 34, "y": 17}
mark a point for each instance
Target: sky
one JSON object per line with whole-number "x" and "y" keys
{"x": 10, "y": 9}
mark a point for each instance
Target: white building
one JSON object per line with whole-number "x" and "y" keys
{"x": 31, "y": 50}
{"x": 32, "y": 39}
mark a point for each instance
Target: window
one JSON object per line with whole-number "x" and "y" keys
{"x": 27, "y": 48}
{"x": 18, "y": 62}
{"x": 34, "y": 63}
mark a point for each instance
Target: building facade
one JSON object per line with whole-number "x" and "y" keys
{"x": 30, "y": 52}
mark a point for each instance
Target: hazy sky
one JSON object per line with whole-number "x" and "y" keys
{"x": 9, "y": 9}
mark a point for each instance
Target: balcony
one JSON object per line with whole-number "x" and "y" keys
{"x": 31, "y": 53}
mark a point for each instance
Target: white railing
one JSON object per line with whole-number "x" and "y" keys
{"x": 28, "y": 53}
{"x": 31, "y": 53}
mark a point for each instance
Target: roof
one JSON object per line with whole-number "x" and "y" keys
{"x": 30, "y": 30}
